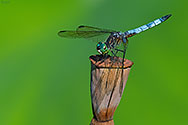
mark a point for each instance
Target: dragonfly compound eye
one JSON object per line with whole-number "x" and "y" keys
{"x": 98, "y": 47}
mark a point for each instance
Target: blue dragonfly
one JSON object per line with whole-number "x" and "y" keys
{"x": 114, "y": 39}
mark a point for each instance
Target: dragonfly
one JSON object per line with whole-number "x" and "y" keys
{"x": 114, "y": 38}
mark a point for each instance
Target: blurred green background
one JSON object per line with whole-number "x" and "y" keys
{"x": 45, "y": 79}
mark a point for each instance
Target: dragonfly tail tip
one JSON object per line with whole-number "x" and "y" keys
{"x": 166, "y": 17}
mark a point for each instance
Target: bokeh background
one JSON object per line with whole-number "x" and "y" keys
{"x": 45, "y": 79}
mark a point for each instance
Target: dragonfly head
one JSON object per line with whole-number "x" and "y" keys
{"x": 102, "y": 48}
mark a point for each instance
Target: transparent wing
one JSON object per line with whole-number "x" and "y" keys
{"x": 80, "y": 34}
{"x": 90, "y": 28}
{"x": 102, "y": 37}
{"x": 87, "y": 32}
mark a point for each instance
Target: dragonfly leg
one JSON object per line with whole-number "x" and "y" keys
{"x": 116, "y": 52}
{"x": 123, "y": 56}
{"x": 123, "y": 51}
{"x": 119, "y": 50}
{"x": 114, "y": 56}
{"x": 125, "y": 43}
{"x": 113, "y": 53}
